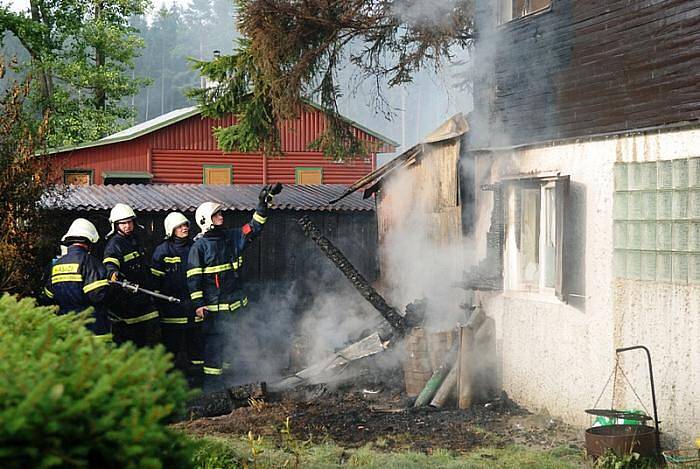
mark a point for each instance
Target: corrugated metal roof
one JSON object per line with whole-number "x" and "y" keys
{"x": 186, "y": 197}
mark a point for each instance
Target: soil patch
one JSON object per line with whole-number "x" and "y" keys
{"x": 356, "y": 418}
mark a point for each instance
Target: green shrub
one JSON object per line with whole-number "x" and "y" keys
{"x": 70, "y": 400}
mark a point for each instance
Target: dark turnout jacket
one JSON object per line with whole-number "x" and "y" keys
{"x": 214, "y": 262}
{"x": 78, "y": 281}
{"x": 124, "y": 254}
{"x": 169, "y": 270}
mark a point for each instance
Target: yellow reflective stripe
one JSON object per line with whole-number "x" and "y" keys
{"x": 172, "y": 260}
{"x": 113, "y": 260}
{"x": 229, "y": 307}
{"x": 95, "y": 285}
{"x": 67, "y": 278}
{"x": 195, "y": 295}
{"x": 157, "y": 273}
{"x": 65, "y": 269}
{"x": 197, "y": 362}
{"x": 195, "y": 271}
{"x": 131, "y": 255}
{"x": 213, "y": 371}
{"x": 145, "y": 317}
{"x": 48, "y": 293}
{"x": 103, "y": 337}
{"x": 259, "y": 218}
{"x": 173, "y": 320}
{"x": 198, "y": 319}
{"x": 217, "y": 268}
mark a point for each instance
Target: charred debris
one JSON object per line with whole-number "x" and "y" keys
{"x": 441, "y": 369}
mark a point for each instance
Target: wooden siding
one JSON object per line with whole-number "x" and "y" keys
{"x": 177, "y": 153}
{"x": 185, "y": 167}
{"x": 426, "y": 192}
{"x": 125, "y": 156}
{"x": 585, "y": 68}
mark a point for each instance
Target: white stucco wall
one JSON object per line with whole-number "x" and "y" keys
{"x": 558, "y": 357}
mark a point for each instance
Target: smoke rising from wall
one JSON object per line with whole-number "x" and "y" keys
{"x": 423, "y": 256}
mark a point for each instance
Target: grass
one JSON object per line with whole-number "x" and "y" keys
{"x": 256, "y": 452}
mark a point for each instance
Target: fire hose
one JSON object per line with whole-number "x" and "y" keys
{"x": 134, "y": 288}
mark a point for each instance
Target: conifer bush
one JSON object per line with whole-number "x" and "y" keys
{"x": 68, "y": 399}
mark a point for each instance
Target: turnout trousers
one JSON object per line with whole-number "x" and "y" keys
{"x": 216, "y": 329}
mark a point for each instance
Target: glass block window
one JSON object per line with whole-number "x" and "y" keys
{"x": 656, "y": 230}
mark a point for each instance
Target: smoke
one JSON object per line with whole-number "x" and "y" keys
{"x": 425, "y": 12}
{"x": 423, "y": 251}
{"x": 291, "y": 325}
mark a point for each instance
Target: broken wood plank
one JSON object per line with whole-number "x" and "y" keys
{"x": 447, "y": 389}
{"x": 466, "y": 352}
{"x": 331, "y": 366}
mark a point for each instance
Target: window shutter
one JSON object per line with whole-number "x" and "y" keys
{"x": 309, "y": 176}
{"x": 217, "y": 175}
{"x": 562, "y": 202}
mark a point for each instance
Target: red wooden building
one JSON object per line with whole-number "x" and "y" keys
{"x": 179, "y": 148}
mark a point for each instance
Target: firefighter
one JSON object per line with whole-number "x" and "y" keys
{"x": 78, "y": 280}
{"x": 134, "y": 316}
{"x": 180, "y": 327}
{"x": 214, "y": 280}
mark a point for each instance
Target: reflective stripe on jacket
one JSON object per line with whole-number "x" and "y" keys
{"x": 125, "y": 254}
{"x": 214, "y": 262}
{"x": 169, "y": 271}
{"x": 78, "y": 281}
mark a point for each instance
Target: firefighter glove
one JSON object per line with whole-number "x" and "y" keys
{"x": 116, "y": 276}
{"x": 267, "y": 194}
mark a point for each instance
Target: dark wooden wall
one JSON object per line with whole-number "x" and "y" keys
{"x": 585, "y": 68}
{"x": 282, "y": 252}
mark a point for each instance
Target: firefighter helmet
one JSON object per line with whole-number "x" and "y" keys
{"x": 172, "y": 221}
{"x": 81, "y": 229}
{"x": 121, "y": 212}
{"x": 204, "y": 213}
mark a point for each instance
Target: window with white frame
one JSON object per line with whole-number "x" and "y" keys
{"x": 534, "y": 234}
{"x": 509, "y": 10}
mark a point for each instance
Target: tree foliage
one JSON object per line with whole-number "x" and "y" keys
{"x": 81, "y": 56}
{"x": 171, "y": 36}
{"x": 293, "y": 50}
{"x": 70, "y": 400}
{"x": 24, "y": 177}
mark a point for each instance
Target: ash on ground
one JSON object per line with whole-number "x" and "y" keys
{"x": 372, "y": 412}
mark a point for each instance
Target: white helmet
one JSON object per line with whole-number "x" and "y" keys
{"x": 81, "y": 228}
{"x": 204, "y": 213}
{"x": 172, "y": 221}
{"x": 118, "y": 213}
{"x": 121, "y": 212}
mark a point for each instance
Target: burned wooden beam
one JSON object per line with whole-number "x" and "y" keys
{"x": 391, "y": 314}
{"x": 223, "y": 402}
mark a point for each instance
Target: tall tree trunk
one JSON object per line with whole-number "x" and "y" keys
{"x": 43, "y": 70}
{"x": 100, "y": 95}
